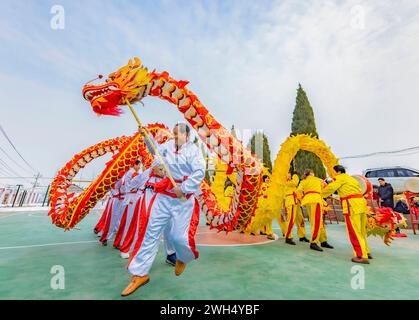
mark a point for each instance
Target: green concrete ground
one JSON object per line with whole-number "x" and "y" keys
{"x": 30, "y": 245}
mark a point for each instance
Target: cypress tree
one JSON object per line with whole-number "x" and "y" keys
{"x": 259, "y": 145}
{"x": 303, "y": 122}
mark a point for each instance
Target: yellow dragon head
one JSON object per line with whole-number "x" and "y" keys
{"x": 128, "y": 83}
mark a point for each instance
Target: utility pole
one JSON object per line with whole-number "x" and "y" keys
{"x": 35, "y": 184}
{"x": 17, "y": 192}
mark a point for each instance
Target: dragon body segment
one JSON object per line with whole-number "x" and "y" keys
{"x": 67, "y": 210}
{"x": 133, "y": 82}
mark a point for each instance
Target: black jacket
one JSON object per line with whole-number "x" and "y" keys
{"x": 401, "y": 207}
{"x": 386, "y": 193}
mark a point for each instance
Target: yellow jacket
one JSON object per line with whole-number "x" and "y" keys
{"x": 290, "y": 187}
{"x": 346, "y": 186}
{"x": 310, "y": 184}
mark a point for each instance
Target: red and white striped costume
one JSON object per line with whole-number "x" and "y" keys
{"x": 131, "y": 198}
{"x": 139, "y": 221}
{"x": 112, "y": 212}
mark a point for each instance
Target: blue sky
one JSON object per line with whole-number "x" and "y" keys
{"x": 244, "y": 60}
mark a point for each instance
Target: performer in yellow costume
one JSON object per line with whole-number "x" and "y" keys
{"x": 229, "y": 193}
{"x": 294, "y": 212}
{"x": 267, "y": 229}
{"x": 354, "y": 207}
{"x": 311, "y": 188}
{"x": 227, "y": 199}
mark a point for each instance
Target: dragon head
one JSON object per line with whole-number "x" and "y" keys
{"x": 128, "y": 83}
{"x": 384, "y": 222}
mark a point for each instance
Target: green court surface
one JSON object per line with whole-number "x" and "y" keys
{"x": 30, "y": 246}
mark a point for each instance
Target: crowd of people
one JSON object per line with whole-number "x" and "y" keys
{"x": 311, "y": 192}
{"x": 162, "y": 201}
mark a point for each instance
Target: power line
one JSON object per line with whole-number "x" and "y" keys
{"x": 393, "y": 152}
{"x": 11, "y": 143}
{"x": 20, "y": 177}
{"x": 2, "y": 171}
{"x": 405, "y": 154}
{"x": 14, "y": 161}
{"x": 7, "y": 168}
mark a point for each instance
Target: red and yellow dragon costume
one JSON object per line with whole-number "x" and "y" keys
{"x": 132, "y": 83}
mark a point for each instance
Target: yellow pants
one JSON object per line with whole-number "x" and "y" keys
{"x": 356, "y": 226}
{"x": 294, "y": 217}
{"x": 268, "y": 229}
{"x": 317, "y": 227}
{"x": 282, "y": 224}
{"x": 323, "y": 233}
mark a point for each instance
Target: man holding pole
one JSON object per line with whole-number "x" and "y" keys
{"x": 174, "y": 201}
{"x": 354, "y": 207}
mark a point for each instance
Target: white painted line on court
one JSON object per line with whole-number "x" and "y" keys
{"x": 47, "y": 244}
{"x": 23, "y": 209}
{"x": 12, "y": 214}
{"x": 36, "y": 214}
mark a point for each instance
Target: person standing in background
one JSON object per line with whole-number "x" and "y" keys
{"x": 386, "y": 198}
{"x": 385, "y": 194}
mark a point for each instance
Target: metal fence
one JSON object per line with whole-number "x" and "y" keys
{"x": 20, "y": 196}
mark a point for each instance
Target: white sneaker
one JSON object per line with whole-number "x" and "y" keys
{"x": 124, "y": 255}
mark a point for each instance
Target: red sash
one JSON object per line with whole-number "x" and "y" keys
{"x": 164, "y": 186}
{"x": 119, "y": 196}
{"x": 292, "y": 194}
{"x": 352, "y": 196}
{"x": 308, "y": 192}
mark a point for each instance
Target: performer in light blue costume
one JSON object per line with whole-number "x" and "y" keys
{"x": 187, "y": 166}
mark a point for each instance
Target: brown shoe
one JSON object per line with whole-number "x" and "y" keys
{"x": 369, "y": 256}
{"x": 136, "y": 282}
{"x": 360, "y": 260}
{"x": 180, "y": 267}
